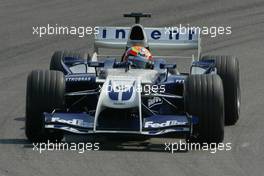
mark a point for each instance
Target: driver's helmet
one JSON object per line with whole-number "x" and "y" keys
{"x": 139, "y": 57}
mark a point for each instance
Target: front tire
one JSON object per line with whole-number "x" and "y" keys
{"x": 204, "y": 99}
{"x": 45, "y": 92}
{"x": 228, "y": 70}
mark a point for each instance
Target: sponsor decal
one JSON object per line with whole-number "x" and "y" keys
{"x": 151, "y": 124}
{"x": 180, "y": 81}
{"x": 154, "y": 102}
{"x": 76, "y": 79}
{"x": 77, "y": 122}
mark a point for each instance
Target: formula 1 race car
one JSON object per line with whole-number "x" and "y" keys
{"x": 104, "y": 95}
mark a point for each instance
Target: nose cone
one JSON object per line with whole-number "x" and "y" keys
{"x": 120, "y": 93}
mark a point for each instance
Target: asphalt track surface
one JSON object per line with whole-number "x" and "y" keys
{"x": 21, "y": 52}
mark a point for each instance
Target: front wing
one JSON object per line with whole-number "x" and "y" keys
{"x": 83, "y": 123}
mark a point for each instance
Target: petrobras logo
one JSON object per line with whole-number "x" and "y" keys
{"x": 77, "y": 79}
{"x": 154, "y": 102}
{"x": 151, "y": 124}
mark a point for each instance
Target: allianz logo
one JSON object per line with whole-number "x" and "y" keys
{"x": 154, "y": 102}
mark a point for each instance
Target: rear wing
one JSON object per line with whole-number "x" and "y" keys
{"x": 157, "y": 38}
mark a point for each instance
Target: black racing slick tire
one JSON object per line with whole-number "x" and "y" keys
{"x": 204, "y": 99}
{"x": 228, "y": 70}
{"x": 56, "y": 62}
{"x": 45, "y": 92}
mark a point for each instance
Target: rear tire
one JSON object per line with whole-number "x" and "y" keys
{"x": 204, "y": 98}
{"x": 58, "y": 57}
{"x": 228, "y": 70}
{"x": 45, "y": 92}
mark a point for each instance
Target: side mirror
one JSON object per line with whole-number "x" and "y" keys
{"x": 95, "y": 65}
{"x": 167, "y": 67}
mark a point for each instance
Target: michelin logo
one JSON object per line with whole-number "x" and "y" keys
{"x": 151, "y": 124}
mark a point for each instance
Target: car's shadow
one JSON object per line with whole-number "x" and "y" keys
{"x": 104, "y": 145}
{"x": 138, "y": 147}
{"x": 21, "y": 119}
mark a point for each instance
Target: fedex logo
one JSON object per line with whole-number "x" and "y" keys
{"x": 151, "y": 124}
{"x": 77, "y": 122}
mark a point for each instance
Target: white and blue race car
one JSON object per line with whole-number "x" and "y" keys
{"x": 104, "y": 95}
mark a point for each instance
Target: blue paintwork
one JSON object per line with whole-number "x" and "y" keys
{"x": 127, "y": 94}
{"x": 111, "y": 93}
